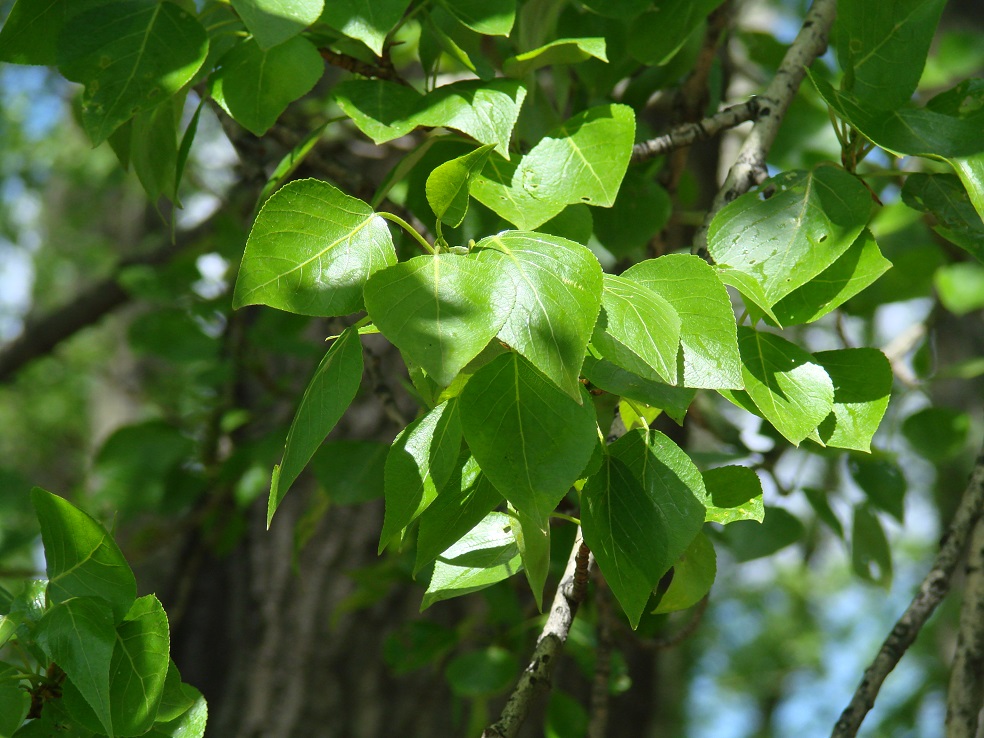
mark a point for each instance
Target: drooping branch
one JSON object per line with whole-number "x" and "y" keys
{"x": 749, "y": 168}
{"x": 965, "y": 696}
{"x": 357, "y": 66}
{"x": 689, "y": 133}
{"x": 931, "y": 592}
{"x": 535, "y": 678}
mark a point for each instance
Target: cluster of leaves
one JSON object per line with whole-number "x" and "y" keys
{"x": 93, "y": 656}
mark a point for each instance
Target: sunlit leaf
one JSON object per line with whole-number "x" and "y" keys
{"x": 693, "y": 575}
{"x": 862, "y": 379}
{"x": 447, "y": 185}
{"x": 733, "y": 493}
{"x": 369, "y": 21}
{"x": 489, "y": 17}
{"x": 274, "y": 21}
{"x": 558, "y": 51}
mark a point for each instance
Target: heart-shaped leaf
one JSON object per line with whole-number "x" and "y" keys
{"x": 274, "y": 21}
{"x": 447, "y": 185}
{"x": 862, "y": 380}
{"x": 369, "y": 21}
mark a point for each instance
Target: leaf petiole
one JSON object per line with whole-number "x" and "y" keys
{"x": 408, "y": 228}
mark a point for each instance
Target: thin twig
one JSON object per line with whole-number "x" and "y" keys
{"x": 689, "y": 133}
{"x": 931, "y": 592}
{"x": 357, "y": 66}
{"x": 749, "y": 168}
{"x": 535, "y": 678}
{"x": 965, "y": 697}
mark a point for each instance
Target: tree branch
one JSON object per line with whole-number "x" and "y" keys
{"x": 749, "y": 168}
{"x": 689, "y": 133}
{"x": 965, "y": 697}
{"x": 931, "y": 592}
{"x": 357, "y": 66}
{"x": 535, "y": 678}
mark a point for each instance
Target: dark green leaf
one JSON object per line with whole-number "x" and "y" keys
{"x": 749, "y": 540}
{"x": 131, "y": 55}
{"x": 624, "y": 9}
{"x": 943, "y": 196}
{"x": 328, "y": 395}
{"x": 530, "y": 439}
{"x": 30, "y": 33}
{"x": 558, "y": 51}
{"x": 154, "y": 148}
{"x": 14, "y": 700}
{"x": 82, "y": 559}
{"x": 787, "y": 385}
{"x": 862, "y": 380}
{"x": 657, "y": 36}
{"x": 937, "y": 433}
{"x": 482, "y": 673}
{"x": 733, "y": 493}
{"x": 369, "y": 21}
{"x": 821, "y": 506}
{"x": 419, "y": 464}
{"x": 274, "y": 21}
{"x": 441, "y": 310}
{"x": 416, "y": 644}
{"x": 605, "y": 375}
{"x": 709, "y": 345}
{"x": 311, "y": 250}
{"x": 533, "y": 541}
{"x": 871, "y": 555}
{"x": 583, "y": 160}
{"x": 781, "y": 243}
{"x": 175, "y": 699}
{"x": 350, "y": 471}
{"x": 558, "y": 286}
{"x": 641, "y": 209}
{"x": 190, "y": 724}
{"x": 255, "y": 85}
{"x": 488, "y": 17}
{"x": 566, "y": 716}
{"x": 693, "y": 575}
{"x": 447, "y": 185}
{"x": 882, "y": 481}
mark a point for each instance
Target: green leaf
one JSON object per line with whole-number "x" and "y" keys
{"x": 488, "y": 17}
{"x": 788, "y": 386}
{"x": 750, "y": 540}
{"x": 327, "y": 396}
{"x": 566, "y": 716}
{"x": 862, "y": 381}
{"x": 82, "y": 559}
{"x": 583, "y": 160}
{"x": 190, "y": 724}
{"x": 709, "y": 345}
{"x": 419, "y": 464}
{"x": 458, "y": 509}
{"x": 960, "y": 287}
{"x": 154, "y": 148}
{"x": 79, "y": 635}
{"x": 558, "y": 51}
{"x": 417, "y": 644}
{"x": 485, "y": 555}
{"x": 882, "y": 481}
{"x": 311, "y": 250}
{"x": 693, "y": 575}
{"x": 882, "y": 48}
{"x": 131, "y": 55}
{"x": 486, "y": 111}
{"x": 441, "y": 310}
{"x": 871, "y": 554}
{"x": 937, "y": 433}
{"x": 350, "y": 471}
{"x": 558, "y": 287}
{"x": 733, "y": 493}
{"x": 821, "y": 506}
{"x": 255, "y": 85}
{"x": 943, "y": 196}
{"x": 175, "y": 700}
{"x": 14, "y": 700}
{"x": 274, "y": 21}
{"x": 909, "y": 130}
{"x": 482, "y": 673}
{"x": 624, "y": 9}
{"x": 30, "y": 33}
{"x": 855, "y": 270}
{"x": 638, "y": 330}
{"x": 533, "y": 541}
{"x": 605, "y": 375}
{"x": 369, "y": 21}
{"x": 447, "y": 185}
{"x": 641, "y": 209}
{"x": 530, "y": 439}
{"x": 784, "y": 241}
{"x": 656, "y": 37}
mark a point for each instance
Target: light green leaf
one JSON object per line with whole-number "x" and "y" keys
{"x": 970, "y": 169}
{"x": 871, "y": 554}
{"x": 656, "y": 37}
{"x": 190, "y": 724}
{"x": 855, "y": 270}
{"x": 485, "y": 555}
{"x": 605, "y": 375}
{"x": 808, "y": 222}
{"x": 558, "y": 51}
{"x": 733, "y": 493}
{"x": 486, "y": 111}
{"x": 255, "y": 85}
{"x": 488, "y": 17}
{"x": 274, "y": 21}
{"x": 14, "y": 700}
{"x": 862, "y": 380}
{"x": 462, "y": 504}
{"x": 175, "y": 699}
{"x": 419, "y": 464}
{"x": 708, "y": 341}
{"x": 447, "y": 185}
{"x": 369, "y": 21}
{"x": 79, "y": 635}
{"x": 327, "y": 396}
{"x": 627, "y": 533}
{"x": 440, "y": 309}
{"x": 937, "y": 433}
{"x": 787, "y": 385}
{"x": 966, "y": 100}
{"x": 82, "y": 559}
{"x": 531, "y": 439}
{"x": 960, "y": 287}
{"x": 882, "y": 48}
{"x": 881, "y": 479}
{"x": 131, "y": 55}
{"x": 638, "y": 325}
{"x": 693, "y": 575}
{"x": 943, "y": 196}
{"x": 558, "y": 286}
{"x": 154, "y": 148}
{"x": 311, "y": 250}
{"x": 533, "y": 540}
{"x": 583, "y": 160}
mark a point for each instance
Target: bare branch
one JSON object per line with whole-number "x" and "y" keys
{"x": 749, "y": 168}
{"x": 931, "y": 592}
{"x": 965, "y": 697}
{"x": 535, "y": 678}
{"x": 689, "y": 133}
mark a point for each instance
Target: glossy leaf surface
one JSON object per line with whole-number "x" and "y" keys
{"x": 559, "y": 51}
{"x": 273, "y": 22}
{"x": 447, "y": 185}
